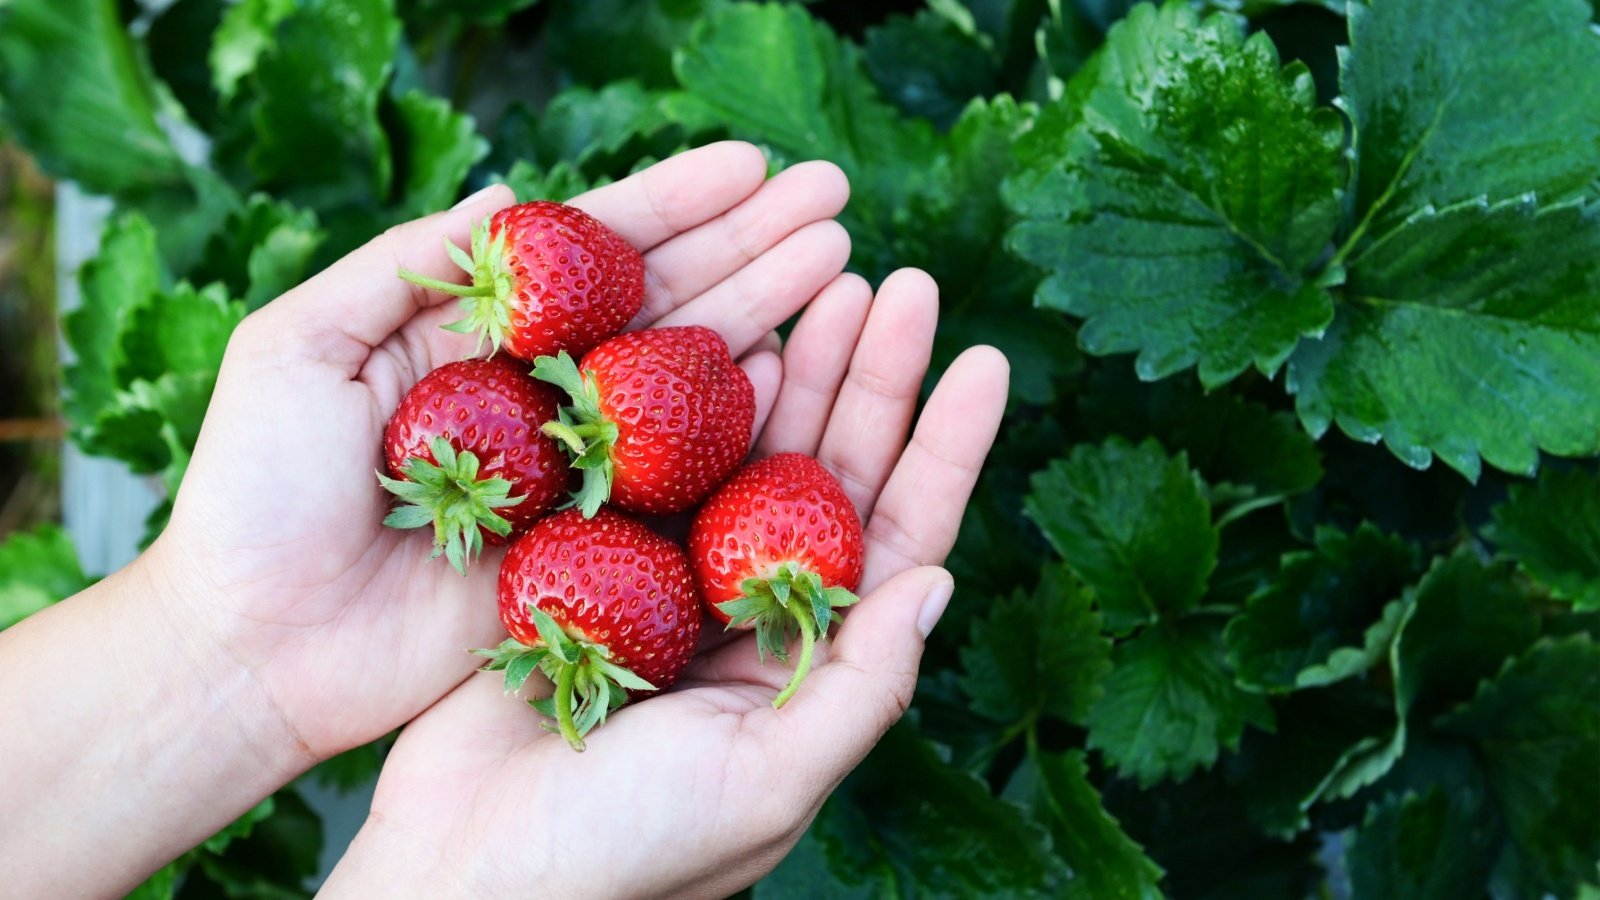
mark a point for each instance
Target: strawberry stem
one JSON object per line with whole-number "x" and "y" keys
{"x": 808, "y": 644}
{"x": 447, "y": 287}
{"x": 564, "y": 721}
{"x": 486, "y": 303}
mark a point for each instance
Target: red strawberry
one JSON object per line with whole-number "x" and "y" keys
{"x": 776, "y": 549}
{"x": 465, "y": 440}
{"x": 658, "y": 418}
{"x": 545, "y": 277}
{"x": 602, "y": 606}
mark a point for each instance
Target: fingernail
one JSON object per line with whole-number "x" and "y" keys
{"x": 933, "y": 606}
{"x": 475, "y": 196}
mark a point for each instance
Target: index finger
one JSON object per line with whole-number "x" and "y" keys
{"x": 678, "y": 193}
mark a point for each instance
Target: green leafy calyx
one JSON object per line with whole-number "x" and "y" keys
{"x": 791, "y": 601}
{"x": 449, "y": 495}
{"x": 582, "y": 429}
{"x": 589, "y": 685}
{"x": 486, "y": 303}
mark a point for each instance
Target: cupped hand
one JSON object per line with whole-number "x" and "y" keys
{"x": 703, "y": 789}
{"x": 275, "y": 553}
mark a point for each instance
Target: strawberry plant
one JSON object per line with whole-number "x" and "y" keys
{"x": 1282, "y": 579}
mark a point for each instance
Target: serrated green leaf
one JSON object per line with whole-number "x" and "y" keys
{"x": 1170, "y": 705}
{"x": 434, "y": 148}
{"x": 80, "y": 98}
{"x": 1038, "y": 653}
{"x": 262, "y": 250}
{"x": 1472, "y": 331}
{"x": 1434, "y": 847}
{"x": 1226, "y": 438}
{"x": 183, "y": 330}
{"x": 584, "y": 37}
{"x": 179, "y": 60}
{"x": 1106, "y": 864}
{"x": 774, "y": 74}
{"x": 122, "y": 277}
{"x": 602, "y": 131}
{"x": 1330, "y": 614}
{"x": 906, "y": 818}
{"x": 1183, "y": 210}
{"x": 315, "y": 137}
{"x": 37, "y": 568}
{"x": 1552, "y": 529}
{"x": 1133, "y": 523}
{"x": 1536, "y": 727}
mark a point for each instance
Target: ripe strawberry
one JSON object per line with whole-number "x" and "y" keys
{"x": 658, "y": 418}
{"x": 465, "y": 438}
{"x": 545, "y": 277}
{"x": 602, "y": 606}
{"x": 776, "y": 549}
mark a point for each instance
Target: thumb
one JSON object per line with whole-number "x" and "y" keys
{"x": 847, "y": 704}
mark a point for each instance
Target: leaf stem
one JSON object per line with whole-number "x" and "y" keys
{"x": 564, "y": 686}
{"x": 808, "y": 645}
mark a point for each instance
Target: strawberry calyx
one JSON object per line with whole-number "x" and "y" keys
{"x": 589, "y": 684}
{"x": 791, "y": 601}
{"x": 486, "y": 303}
{"x": 582, "y": 429}
{"x": 448, "y": 494}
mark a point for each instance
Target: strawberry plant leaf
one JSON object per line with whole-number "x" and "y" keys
{"x": 1133, "y": 523}
{"x": 315, "y": 139}
{"x": 1552, "y": 529}
{"x": 434, "y": 148}
{"x": 1431, "y": 847}
{"x": 263, "y": 249}
{"x": 601, "y": 130}
{"x": 1195, "y": 188}
{"x": 1038, "y": 653}
{"x": 1471, "y": 320}
{"x": 1170, "y": 705}
{"x": 181, "y": 330}
{"x": 1105, "y": 862}
{"x": 908, "y": 818}
{"x": 1536, "y": 729}
{"x": 75, "y": 85}
{"x": 776, "y": 75}
{"x": 1226, "y": 438}
{"x": 584, "y": 37}
{"x": 246, "y": 32}
{"x": 37, "y": 568}
{"x": 561, "y": 183}
{"x": 929, "y": 66}
{"x": 1330, "y": 614}
{"x": 123, "y": 276}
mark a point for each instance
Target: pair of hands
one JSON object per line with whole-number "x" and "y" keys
{"x": 276, "y": 557}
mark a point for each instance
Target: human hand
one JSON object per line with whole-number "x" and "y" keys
{"x": 703, "y": 789}
{"x": 275, "y": 551}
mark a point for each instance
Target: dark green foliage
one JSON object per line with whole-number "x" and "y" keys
{"x": 1203, "y": 642}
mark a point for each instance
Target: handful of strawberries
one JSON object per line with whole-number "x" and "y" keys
{"x": 568, "y": 414}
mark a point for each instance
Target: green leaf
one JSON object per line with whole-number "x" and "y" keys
{"x": 1330, "y": 614}
{"x": 1133, "y": 523}
{"x": 1196, "y": 186}
{"x": 178, "y": 331}
{"x": 246, "y": 32}
{"x": 1170, "y": 705}
{"x": 584, "y": 38}
{"x": 907, "y": 821}
{"x": 179, "y": 60}
{"x": 37, "y": 568}
{"x": 1552, "y": 529}
{"x": 1037, "y": 654}
{"x": 240, "y": 827}
{"x": 1227, "y": 439}
{"x": 316, "y": 137}
{"x": 1106, "y": 864}
{"x": 78, "y": 96}
{"x": 1536, "y": 728}
{"x": 262, "y": 250}
{"x": 596, "y": 130}
{"x": 1472, "y": 331}
{"x": 434, "y": 149}
{"x": 929, "y": 66}
{"x": 122, "y": 277}
{"x": 1434, "y": 847}
{"x": 561, "y": 183}
{"x": 775, "y": 75}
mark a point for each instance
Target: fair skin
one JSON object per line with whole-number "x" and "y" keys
{"x": 276, "y": 623}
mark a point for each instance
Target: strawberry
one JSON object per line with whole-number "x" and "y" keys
{"x": 602, "y": 606}
{"x": 463, "y": 441}
{"x": 658, "y": 418}
{"x": 545, "y": 277}
{"x": 776, "y": 549}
